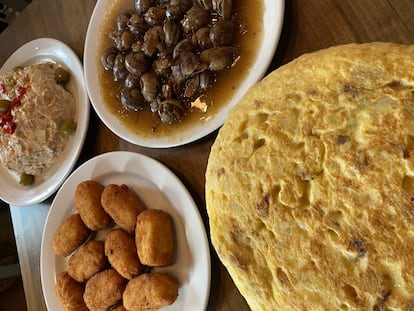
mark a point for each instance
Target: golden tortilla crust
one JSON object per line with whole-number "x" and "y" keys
{"x": 310, "y": 183}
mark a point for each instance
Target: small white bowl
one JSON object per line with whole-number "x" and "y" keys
{"x": 272, "y": 26}
{"x": 39, "y": 51}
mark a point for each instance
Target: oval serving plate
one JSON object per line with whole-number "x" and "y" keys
{"x": 159, "y": 188}
{"x": 34, "y": 52}
{"x": 272, "y": 26}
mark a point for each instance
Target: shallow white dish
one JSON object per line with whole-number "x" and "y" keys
{"x": 34, "y": 52}
{"x": 272, "y": 21}
{"x": 159, "y": 188}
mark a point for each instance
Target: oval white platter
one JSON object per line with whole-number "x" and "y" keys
{"x": 159, "y": 188}
{"x": 34, "y": 52}
{"x": 272, "y": 26}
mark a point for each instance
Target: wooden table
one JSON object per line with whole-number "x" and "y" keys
{"x": 309, "y": 25}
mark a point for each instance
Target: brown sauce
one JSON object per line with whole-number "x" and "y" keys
{"x": 249, "y": 15}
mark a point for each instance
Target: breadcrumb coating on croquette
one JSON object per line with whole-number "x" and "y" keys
{"x": 70, "y": 235}
{"x": 154, "y": 237}
{"x": 88, "y": 204}
{"x": 123, "y": 205}
{"x": 88, "y": 260}
{"x": 150, "y": 291}
{"x": 69, "y": 292}
{"x": 122, "y": 253}
{"x": 104, "y": 290}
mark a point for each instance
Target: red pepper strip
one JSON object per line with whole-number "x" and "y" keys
{"x": 6, "y": 119}
{"x": 20, "y": 92}
{"x": 2, "y": 89}
{"x": 16, "y": 102}
{"x": 6, "y": 122}
{"x": 9, "y": 127}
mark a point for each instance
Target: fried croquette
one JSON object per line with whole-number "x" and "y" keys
{"x": 104, "y": 290}
{"x": 123, "y": 205}
{"x": 88, "y": 260}
{"x": 71, "y": 233}
{"x": 69, "y": 292}
{"x": 88, "y": 204}
{"x": 154, "y": 237}
{"x": 122, "y": 253}
{"x": 150, "y": 291}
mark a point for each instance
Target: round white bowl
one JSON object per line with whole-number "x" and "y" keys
{"x": 272, "y": 25}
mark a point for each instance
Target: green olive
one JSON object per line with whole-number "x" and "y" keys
{"x": 68, "y": 127}
{"x": 9, "y": 81}
{"x": 17, "y": 68}
{"x": 26, "y": 179}
{"x": 61, "y": 76}
{"x": 4, "y": 105}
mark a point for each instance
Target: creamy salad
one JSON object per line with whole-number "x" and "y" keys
{"x": 36, "y": 116}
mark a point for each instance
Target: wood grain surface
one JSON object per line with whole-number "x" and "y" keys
{"x": 309, "y": 25}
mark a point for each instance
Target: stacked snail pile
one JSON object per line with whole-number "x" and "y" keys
{"x": 167, "y": 53}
